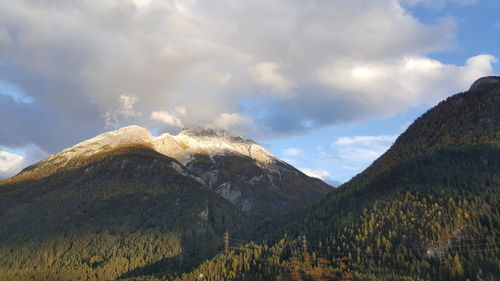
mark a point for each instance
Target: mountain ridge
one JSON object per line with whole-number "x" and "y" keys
{"x": 236, "y": 168}
{"x": 467, "y": 118}
{"x": 180, "y": 146}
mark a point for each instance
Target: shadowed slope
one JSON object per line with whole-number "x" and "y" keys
{"x": 117, "y": 211}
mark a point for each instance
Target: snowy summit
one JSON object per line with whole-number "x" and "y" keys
{"x": 181, "y": 147}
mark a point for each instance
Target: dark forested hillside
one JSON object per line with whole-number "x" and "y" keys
{"x": 436, "y": 217}
{"x": 454, "y": 144}
{"x": 120, "y": 213}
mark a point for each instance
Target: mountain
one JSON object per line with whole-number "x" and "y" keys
{"x": 238, "y": 169}
{"x": 427, "y": 209}
{"x": 115, "y": 212}
{"x": 129, "y": 206}
{"x": 126, "y": 203}
{"x": 243, "y": 172}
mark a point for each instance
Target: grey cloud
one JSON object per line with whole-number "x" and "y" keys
{"x": 77, "y": 58}
{"x": 57, "y": 117}
{"x": 12, "y": 163}
{"x": 439, "y": 4}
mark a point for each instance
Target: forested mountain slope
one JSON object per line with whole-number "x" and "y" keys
{"x": 454, "y": 143}
{"x": 126, "y": 203}
{"x": 120, "y": 212}
{"x": 428, "y": 209}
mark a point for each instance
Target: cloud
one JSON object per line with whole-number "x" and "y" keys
{"x": 13, "y": 162}
{"x": 360, "y": 151}
{"x": 180, "y": 111}
{"x": 170, "y": 118}
{"x": 90, "y": 66}
{"x": 266, "y": 74}
{"x": 227, "y": 121}
{"x": 323, "y": 175}
{"x": 125, "y": 111}
{"x": 127, "y": 106}
{"x": 415, "y": 79}
{"x": 142, "y": 3}
{"x": 13, "y": 92}
{"x": 320, "y": 174}
{"x": 440, "y": 3}
{"x": 9, "y": 163}
{"x": 240, "y": 124}
{"x": 292, "y": 151}
{"x": 352, "y": 154}
{"x": 365, "y": 140}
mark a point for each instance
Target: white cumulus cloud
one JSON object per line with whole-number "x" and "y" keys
{"x": 361, "y": 151}
{"x": 239, "y": 124}
{"x": 323, "y": 175}
{"x": 12, "y": 162}
{"x": 168, "y": 118}
{"x": 320, "y": 174}
{"x": 227, "y": 121}
{"x": 9, "y": 163}
{"x": 285, "y": 68}
{"x": 124, "y": 111}
{"x": 292, "y": 151}
{"x": 388, "y": 86}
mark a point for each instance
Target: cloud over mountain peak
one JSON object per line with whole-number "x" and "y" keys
{"x": 284, "y": 68}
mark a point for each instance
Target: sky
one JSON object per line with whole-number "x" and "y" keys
{"x": 326, "y": 85}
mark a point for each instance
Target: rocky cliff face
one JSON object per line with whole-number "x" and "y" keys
{"x": 261, "y": 190}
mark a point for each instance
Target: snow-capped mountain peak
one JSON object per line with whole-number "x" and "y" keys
{"x": 236, "y": 168}
{"x": 181, "y": 147}
{"x": 210, "y": 142}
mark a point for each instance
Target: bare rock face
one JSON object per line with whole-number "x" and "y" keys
{"x": 488, "y": 80}
{"x": 260, "y": 190}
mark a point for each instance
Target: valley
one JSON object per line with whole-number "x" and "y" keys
{"x": 207, "y": 205}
